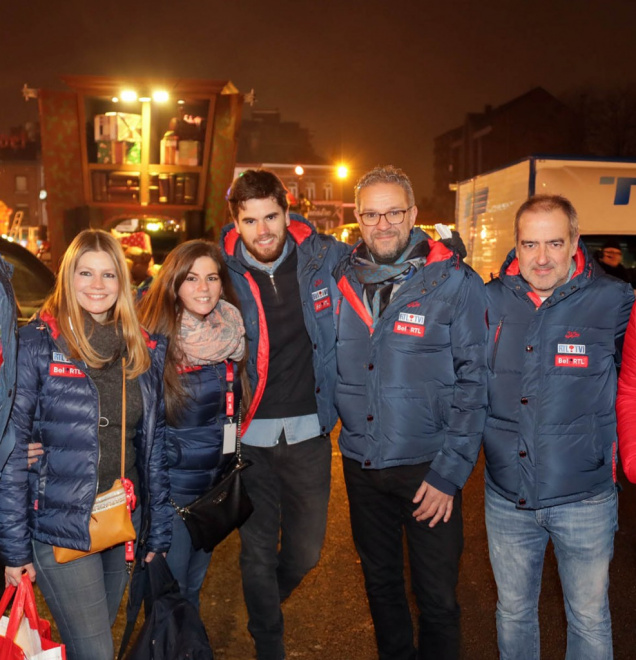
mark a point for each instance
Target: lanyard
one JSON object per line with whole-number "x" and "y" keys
{"x": 229, "y": 394}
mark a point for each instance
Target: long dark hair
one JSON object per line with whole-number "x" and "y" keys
{"x": 160, "y": 311}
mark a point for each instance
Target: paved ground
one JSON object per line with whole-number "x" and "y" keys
{"x": 328, "y": 617}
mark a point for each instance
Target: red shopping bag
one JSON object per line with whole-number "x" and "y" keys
{"x": 23, "y": 635}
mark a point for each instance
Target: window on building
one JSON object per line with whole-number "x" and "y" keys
{"x": 21, "y": 184}
{"x": 25, "y": 213}
{"x": 328, "y": 191}
{"x": 310, "y": 190}
{"x": 292, "y": 189}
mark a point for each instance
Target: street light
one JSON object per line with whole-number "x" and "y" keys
{"x": 342, "y": 171}
{"x": 299, "y": 170}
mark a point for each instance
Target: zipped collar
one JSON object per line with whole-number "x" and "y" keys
{"x": 579, "y": 260}
{"x": 584, "y": 272}
{"x": 438, "y": 253}
{"x": 51, "y": 322}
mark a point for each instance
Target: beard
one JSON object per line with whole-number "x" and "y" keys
{"x": 391, "y": 256}
{"x": 269, "y": 253}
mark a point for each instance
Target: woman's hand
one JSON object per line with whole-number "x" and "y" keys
{"x": 151, "y": 555}
{"x": 13, "y": 574}
{"x": 34, "y": 452}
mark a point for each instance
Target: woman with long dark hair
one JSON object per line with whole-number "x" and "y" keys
{"x": 74, "y": 359}
{"x": 192, "y": 302}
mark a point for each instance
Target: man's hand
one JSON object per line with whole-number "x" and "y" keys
{"x": 34, "y": 452}
{"x": 13, "y": 574}
{"x": 432, "y": 504}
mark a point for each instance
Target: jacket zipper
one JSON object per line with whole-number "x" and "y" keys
{"x": 271, "y": 279}
{"x": 496, "y": 346}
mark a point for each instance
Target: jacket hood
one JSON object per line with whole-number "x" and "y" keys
{"x": 437, "y": 252}
{"x": 586, "y": 270}
{"x": 299, "y": 229}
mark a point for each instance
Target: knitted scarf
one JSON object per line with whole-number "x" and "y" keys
{"x": 379, "y": 279}
{"x": 219, "y": 336}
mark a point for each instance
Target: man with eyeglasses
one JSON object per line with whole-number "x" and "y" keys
{"x": 411, "y": 395}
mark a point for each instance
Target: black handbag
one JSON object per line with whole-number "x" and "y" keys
{"x": 220, "y": 510}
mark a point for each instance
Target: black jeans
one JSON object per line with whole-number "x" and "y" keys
{"x": 380, "y": 503}
{"x": 281, "y": 541}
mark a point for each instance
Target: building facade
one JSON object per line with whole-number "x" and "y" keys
{"x": 533, "y": 123}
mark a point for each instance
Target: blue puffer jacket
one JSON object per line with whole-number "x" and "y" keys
{"x": 57, "y": 404}
{"x": 8, "y": 347}
{"x": 318, "y": 254}
{"x": 195, "y": 447}
{"x": 413, "y": 389}
{"x": 550, "y": 435}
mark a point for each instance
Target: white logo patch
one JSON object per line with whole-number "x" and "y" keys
{"x": 60, "y": 357}
{"x": 570, "y": 349}
{"x": 418, "y": 319}
{"x": 319, "y": 295}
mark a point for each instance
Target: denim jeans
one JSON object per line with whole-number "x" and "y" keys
{"x": 381, "y": 507}
{"x": 84, "y": 596}
{"x": 281, "y": 541}
{"x": 188, "y": 565}
{"x": 583, "y": 537}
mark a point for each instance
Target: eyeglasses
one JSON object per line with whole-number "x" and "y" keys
{"x": 612, "y": 252}
{"x": 393, "y": 217}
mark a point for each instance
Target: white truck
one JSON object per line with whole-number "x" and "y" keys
{"x": 603, "y": 193}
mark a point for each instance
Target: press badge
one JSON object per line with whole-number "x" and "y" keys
{"x": 229, "y": 438}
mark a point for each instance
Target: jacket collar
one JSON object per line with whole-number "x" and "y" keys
{"x": 299, "y": 229}
{"x": 51, "y": 322}
{"x": 437, "y": 253}
{"x": 585, "y": 271}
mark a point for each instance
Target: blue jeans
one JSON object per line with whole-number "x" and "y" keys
{"x": 84, "y": 597}
{"x": 188, "y": 565}
{"x": 289, "y": 488}
{"x": 583, "y": 537}
{"x": 381, "y": 508}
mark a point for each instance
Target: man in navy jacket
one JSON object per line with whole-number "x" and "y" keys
{"x": 556, "y": 322}
{"x": 411, "y": 394}
{"x": 281, "y": 270}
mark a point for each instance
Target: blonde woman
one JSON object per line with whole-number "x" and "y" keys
{"x": 69, "y": 399}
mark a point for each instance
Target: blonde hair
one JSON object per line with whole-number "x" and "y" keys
{"x": 62, "y": 304}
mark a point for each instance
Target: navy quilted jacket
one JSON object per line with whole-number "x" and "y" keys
{"x": 57, "y": 404}
{"x": 413, "y": 388}
{"x": 195, "y": 447}
{"x": 550, "y": 435}
{"x": 8, "y": 349}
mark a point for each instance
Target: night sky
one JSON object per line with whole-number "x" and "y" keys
{"x": 374, "y": 81}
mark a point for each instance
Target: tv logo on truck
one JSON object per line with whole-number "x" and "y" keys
{"x": 623, "y": 187}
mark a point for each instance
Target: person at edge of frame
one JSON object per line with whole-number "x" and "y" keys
{"x": 72, "y": 359}
{"x": 556, "y": 327}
